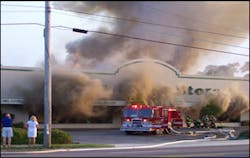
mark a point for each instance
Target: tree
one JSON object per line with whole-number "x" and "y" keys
{"x": 211, "y": 109}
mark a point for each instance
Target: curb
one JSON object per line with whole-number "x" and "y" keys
{"x": 115, "y": 148}
{"x": 121, "y": 148}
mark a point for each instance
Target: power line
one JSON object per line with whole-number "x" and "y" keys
{"x": 60, "y": 27}
{"x": 31, "y": 23}
{"x": 27, "y": 6}
{"x": 194, "y": 39}
{"x": 144, "y": 22}
{"x": 132, "y": 37}
{"x": 168, "y": 43}
{"x": 199, "y": 39}
{"x": 161, "y": 25}
{"x": 80, "y": 16}
{"x": 15, "y": 11}
{"x": 184, "y": 17}
{"x": 178, "y": 36}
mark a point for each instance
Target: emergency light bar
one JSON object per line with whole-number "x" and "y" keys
{"x": 135, "y": 106}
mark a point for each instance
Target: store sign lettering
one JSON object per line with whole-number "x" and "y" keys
{"x": 199, "y": 91}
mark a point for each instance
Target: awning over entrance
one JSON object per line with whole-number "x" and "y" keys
{"x": 11, "y": 101}
{"x": 110, "y": 103}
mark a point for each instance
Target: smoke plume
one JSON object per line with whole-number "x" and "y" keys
{"x": 245, "y": 69}
{"x": 73, "y": 95}
{"x": 231, "y": 100}
{"x": 221, "y": 70}
{"x": 228, "y": 70}
{"x": 142, "y": 86}
{"x": 102, "y": 49}
{"x": 238, "y": 103}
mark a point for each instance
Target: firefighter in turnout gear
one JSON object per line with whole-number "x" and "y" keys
{"x": 188, "y": 121}
{"x": 205, "y": 121}
{"x": 197, "y": 123}
{"x": 212, "y": 120}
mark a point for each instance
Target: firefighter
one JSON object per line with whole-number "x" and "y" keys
{"x": 188, "y": 121}
{"x": 197, "y": 123}
{"x": 212, "y": 120}
{"x": 205, "y": 120}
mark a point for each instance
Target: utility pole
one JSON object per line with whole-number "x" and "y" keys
{"x": 47, "y": 80}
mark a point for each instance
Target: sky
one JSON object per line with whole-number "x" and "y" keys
{"x": 23, "y": 45}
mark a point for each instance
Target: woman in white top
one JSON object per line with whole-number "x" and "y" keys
{"x": 32, "y": 126}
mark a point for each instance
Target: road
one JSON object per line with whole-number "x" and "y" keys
{"x": 190, "y": 149}
{"x": 171, "y": 145}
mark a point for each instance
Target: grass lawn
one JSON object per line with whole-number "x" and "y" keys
{"x": 53, "y": 146}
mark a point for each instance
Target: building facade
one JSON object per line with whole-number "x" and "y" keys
{"x": 193, "y": 87}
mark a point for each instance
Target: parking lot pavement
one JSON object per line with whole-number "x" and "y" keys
{"x": 120, "y": 139}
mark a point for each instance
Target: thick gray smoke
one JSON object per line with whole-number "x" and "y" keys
{"x": 96, "y": 48}
{"x": 142, "y": 86}
{"x": 221, "y": 70}
{"x": 228, "y": 70}
{"x": 102, "y": 49}
{"x": 73, "y": 95}
{"x": 231, "y": 100}
{"x": 245, "y": 68}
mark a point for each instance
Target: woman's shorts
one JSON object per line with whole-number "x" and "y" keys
{"x": 7, "y": 132}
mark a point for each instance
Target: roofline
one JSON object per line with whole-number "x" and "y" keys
{"x": 20, "y": 68}
{"x": 177, "y": 72}
{"x": 136, "y": 61}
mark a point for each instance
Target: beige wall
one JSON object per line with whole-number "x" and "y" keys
{"x": 12, "y": 78}
{"x": 244, "y": 116}
{"x": 15, "y": 77}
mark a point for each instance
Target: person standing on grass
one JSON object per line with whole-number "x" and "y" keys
{"x": 7, "y": 131}
{"x": 32, "y": 126}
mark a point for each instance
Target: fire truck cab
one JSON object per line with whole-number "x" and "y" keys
{"x": 152, "y": 119}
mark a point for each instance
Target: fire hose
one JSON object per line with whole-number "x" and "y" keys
{"x": 228, "y": 133}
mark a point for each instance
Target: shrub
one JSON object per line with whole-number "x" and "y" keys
{"x": 57, "y": 137}
{"x": 60, "y": 137}
{"x": 19, "y": 136}
{"x": 39, "y": 139}
{"x": 211, "y": 108}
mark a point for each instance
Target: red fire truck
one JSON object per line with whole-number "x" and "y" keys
{"x": 151, "y": 119}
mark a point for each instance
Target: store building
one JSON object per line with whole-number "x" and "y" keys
{"x": 194, "y": 86}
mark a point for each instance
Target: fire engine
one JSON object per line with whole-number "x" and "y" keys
{"x": 150, "y": 119}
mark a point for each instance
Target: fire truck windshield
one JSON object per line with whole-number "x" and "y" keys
{"x": 137, "y": 113}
